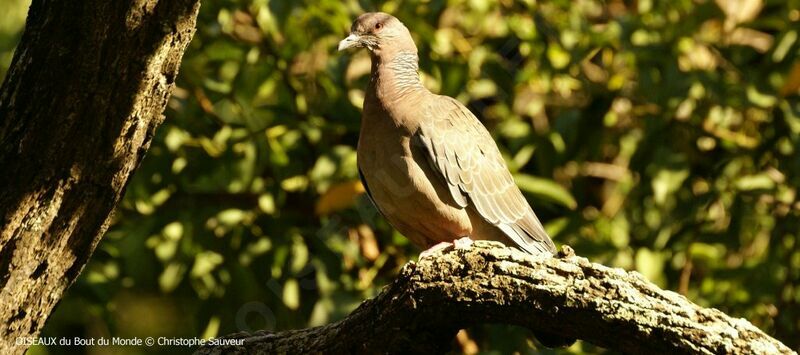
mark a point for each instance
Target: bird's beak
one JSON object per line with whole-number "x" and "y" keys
{"x": 353, "y": 40}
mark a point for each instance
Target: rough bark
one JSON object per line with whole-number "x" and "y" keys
{"x": 78, "y": 109}
{"x": 488, "y": 283}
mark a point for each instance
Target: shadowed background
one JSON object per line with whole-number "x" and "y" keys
{"x": 655, "y": 136}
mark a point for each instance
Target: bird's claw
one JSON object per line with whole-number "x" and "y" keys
{"x": 438, "y": 248}
{"x": 435, "y": 249}
{"x": 462, "y": 243}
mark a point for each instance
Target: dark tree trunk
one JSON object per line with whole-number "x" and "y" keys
{"x": 567, "y": 296}
{"x": 78, "y": 109}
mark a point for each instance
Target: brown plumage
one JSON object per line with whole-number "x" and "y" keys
{"x": 428, "y": 164}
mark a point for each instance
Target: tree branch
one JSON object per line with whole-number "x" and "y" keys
{"x": 567, "y": 295}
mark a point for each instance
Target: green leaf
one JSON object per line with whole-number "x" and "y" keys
{"x": 212, "y": 329}
{"x": 755, "y": 182}
{"x": 205, "y": 262}
{"x": 558, "y": 57}
{"x": 666, "y": 182}
{"x": 231, "y": 216}
{"x": 546, "y": 189}
{"x": 291, "y": 294}
{"x": 171, "y": 277}
{"x": 650, "y": 264}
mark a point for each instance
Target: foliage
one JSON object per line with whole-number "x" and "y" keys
{"x": 658, "y": 136}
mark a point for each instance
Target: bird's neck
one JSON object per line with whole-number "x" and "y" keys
{"x": 397, "y": 77}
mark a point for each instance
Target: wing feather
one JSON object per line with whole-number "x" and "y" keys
{"x": 466, "y": 156}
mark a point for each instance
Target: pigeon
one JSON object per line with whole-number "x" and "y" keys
{"x": 427, "y": 163}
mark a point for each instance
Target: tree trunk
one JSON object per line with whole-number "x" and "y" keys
{"x": 488, "y": 283}
{"x": 78, "y": 109}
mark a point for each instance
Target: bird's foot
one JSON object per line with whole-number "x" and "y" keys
{"x": 438, "y": 248}
{"x": 462, "y": 243}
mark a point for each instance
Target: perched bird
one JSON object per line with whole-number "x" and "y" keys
{"x": 429, "y": 166}
{"x": 427, "y": 163}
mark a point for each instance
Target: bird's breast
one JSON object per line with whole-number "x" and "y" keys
{"x": 414, "y": 200}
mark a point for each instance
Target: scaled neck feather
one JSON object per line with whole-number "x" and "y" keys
{"x": 398, "y": 77}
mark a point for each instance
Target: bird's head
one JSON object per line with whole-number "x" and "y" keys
{"x": 382, "y": 34}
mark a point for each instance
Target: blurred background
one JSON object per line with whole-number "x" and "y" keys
{"x": 657, "y": 136}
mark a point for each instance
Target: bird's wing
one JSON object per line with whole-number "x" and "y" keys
{"x": 462, "y": 150}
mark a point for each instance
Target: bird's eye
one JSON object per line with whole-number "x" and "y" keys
{"x": 378, "y": 26}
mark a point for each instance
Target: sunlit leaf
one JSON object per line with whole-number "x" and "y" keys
{"x": 546, "y": 189}
{"x": 212, "y": 329}
{"x": 666, "y": 182}
{"x": 205, "y": 262}
{"x": 171, "y": 277}
{"x": 291, "y": 294}
{"x": 338, "y": 197}
{"x": 650, "y": 264}
{"x": 755, "y": 182}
